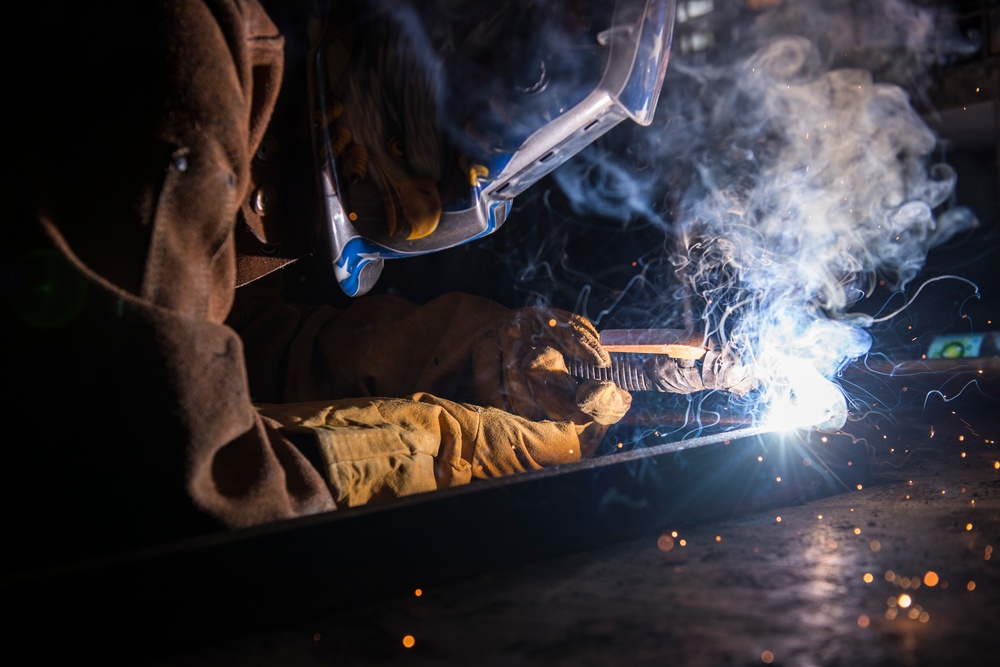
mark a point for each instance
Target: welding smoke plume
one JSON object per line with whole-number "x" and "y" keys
{"x": 787, "y": 185}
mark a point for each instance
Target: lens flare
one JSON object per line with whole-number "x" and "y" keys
{"x": 811, "y": 401}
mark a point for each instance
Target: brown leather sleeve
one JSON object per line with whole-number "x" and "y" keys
{"x": 376, "y": 345}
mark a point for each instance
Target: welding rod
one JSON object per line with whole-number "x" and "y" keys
{"x": 675, "y": 343}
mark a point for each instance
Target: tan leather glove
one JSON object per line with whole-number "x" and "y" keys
{"x": 520, "y": 366}
{"x": 719, "y": 369}
{"x": 381, "y": 448}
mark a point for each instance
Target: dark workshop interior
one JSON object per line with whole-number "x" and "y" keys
{"x": 684, "y": 542}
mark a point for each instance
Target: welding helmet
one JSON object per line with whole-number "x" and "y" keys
{"x": 429, "y": 117}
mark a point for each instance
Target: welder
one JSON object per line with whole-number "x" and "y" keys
{"x": 165, "y": 159}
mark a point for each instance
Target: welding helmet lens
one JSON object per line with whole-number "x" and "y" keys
{"x": 429, "y": 118}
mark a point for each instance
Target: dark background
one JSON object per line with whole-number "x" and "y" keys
{"x": 747, "y": 587}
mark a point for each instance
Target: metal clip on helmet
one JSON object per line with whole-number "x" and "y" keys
{"x": 428, "y": 122}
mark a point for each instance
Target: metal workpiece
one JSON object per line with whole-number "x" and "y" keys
{"x": 507, "y": 522}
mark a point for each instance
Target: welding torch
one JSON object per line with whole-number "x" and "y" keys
{"x": 630, "y": 351}
{"x": 639, "y": 359}
{"x": 682, "y": 362}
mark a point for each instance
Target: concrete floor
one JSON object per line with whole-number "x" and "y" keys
{"x": 900, "y": 572}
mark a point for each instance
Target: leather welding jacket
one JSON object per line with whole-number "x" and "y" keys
{"x": 135, "y": 212}
{"x": 133, "y": 419}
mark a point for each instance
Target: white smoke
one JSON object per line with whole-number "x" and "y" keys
{"x": 788, "y": 183}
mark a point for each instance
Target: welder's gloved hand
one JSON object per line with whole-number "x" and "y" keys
{"x": 520, "y": 367}
{"x": 718, "y": 369}
{"x": 375, "y": 449}
{"x": 722, "y": 369}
